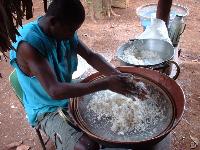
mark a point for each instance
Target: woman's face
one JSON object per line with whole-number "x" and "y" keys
{"x": 63, "y": 31}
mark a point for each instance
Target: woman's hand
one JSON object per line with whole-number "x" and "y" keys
{"x": 120, "y": 83}
{"x": 127, "y": 85}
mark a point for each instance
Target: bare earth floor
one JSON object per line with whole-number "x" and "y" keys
{"x": 104, "y": 37}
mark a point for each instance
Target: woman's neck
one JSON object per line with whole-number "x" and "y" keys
{"x": 44, "y": 25}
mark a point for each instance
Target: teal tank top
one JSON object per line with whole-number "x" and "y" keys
{"x": 62, "y": 58}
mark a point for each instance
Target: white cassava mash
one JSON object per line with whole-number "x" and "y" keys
{"x": 125, "y": 114}
{"x": 135, "y": 56}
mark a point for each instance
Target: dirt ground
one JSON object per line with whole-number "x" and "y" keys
{"x": 104, "y": 37}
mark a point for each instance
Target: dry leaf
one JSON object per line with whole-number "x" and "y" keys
{"x": 195, "y": 60}
{"x": 112, "y": 26}
{"x": 12, "y": 106}
{"x": 194, "y": 143}
{"x": 23, "y": 147}
{"x": 14, "y": 145}
{"x": 194, "y": 139}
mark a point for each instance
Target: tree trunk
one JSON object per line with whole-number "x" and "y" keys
{"x": 120, "y": 3}
{"x": 106, "y": 4}
{"x": 99, "y": 9}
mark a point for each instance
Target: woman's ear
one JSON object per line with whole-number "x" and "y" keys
{"x": 52, "y": 21}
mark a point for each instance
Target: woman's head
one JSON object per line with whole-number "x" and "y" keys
{"x": 65, "y": 17}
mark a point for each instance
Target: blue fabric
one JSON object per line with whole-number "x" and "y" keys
{"x": 36, "y": 99}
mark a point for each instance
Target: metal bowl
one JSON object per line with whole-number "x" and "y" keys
{"x": 163, "y": 49}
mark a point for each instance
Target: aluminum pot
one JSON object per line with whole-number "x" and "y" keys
{"x": 164, "y": 49}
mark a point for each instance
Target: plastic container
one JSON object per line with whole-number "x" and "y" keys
{"x": 148, "y": 12}
{"x": 157, "y": 30}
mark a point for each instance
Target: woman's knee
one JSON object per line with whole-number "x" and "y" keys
{"x": 85, "y": 143}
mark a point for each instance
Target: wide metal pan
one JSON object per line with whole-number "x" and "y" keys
{"x": 166, "y": 84}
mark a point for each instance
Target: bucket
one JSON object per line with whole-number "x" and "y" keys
{"x": 148, "y": 12}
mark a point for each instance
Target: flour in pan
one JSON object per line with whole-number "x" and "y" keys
{"x": 135, "y": 56}
{"x": 125, "y": 114}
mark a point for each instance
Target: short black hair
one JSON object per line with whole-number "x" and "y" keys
{"x": 67, "y": 11}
